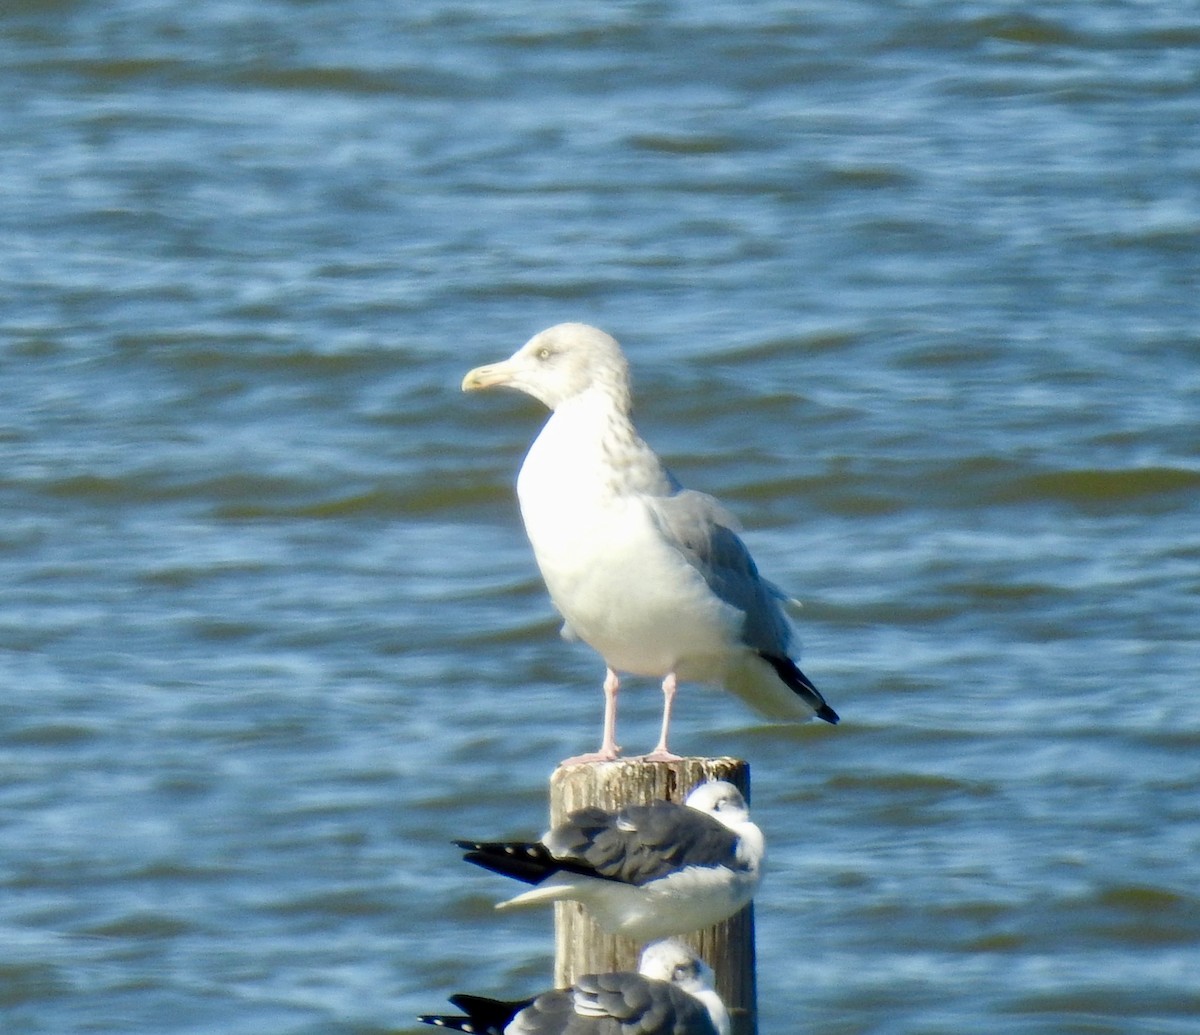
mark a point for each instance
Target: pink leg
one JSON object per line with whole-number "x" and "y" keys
{"x": 661, "y": 753}
{"x": 608, "y": 747}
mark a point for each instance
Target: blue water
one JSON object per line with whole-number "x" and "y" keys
{"x": 913, "y": 287}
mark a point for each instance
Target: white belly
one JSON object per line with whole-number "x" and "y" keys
{"x": 622, "y": 588}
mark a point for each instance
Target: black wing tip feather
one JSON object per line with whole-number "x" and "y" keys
{"x": 483, "y": 1016}
{"x": 526, "y": 861}
{"x": 799, "y": 683}
{"x": 440, "y": 1021}
{"x": 446, "y": 1021}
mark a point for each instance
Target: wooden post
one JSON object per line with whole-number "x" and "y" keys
{"x": 581, "y": 947}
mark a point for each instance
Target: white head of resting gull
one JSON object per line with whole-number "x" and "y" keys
{"x": 650, "y": 575}
{"x": 671, "y": 994}
{"x": 643, "y": 871}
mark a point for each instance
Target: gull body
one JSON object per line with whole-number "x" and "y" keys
{"x": 651, "y": 575}
{"x": 671, "y": 994}
{"x": 643, "y": 871}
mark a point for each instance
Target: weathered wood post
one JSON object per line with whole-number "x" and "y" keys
{"x": 581, "y": 947}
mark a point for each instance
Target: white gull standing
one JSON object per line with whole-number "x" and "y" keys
{"x": 651, "y": 575}
{"x": 671, "y": 994}
{"x": 643, "y": 871}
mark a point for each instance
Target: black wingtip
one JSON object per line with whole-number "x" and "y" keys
{"x": 828, "y": 714}
{"x": 527, "y": 861}
{"x": 446, "y": 1021}
{"x": 800, "y": 684}
{"x": 483, "y": 1016}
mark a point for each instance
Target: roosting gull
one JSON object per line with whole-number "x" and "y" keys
{"x": 649, "y": 574}
{"x": 671, "y": 994}
{"x": 644, "y": 871}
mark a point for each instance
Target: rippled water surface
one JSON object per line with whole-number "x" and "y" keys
{"x": 914, "y": 287}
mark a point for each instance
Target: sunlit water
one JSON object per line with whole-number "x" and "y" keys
{"x": 913, "y": 287}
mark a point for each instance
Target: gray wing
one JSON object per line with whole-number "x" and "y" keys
{"x": 641, "y": 843}
{"x": 633, "y": 1005}
{"x": 704, "y": 532}
{"x": 551, "y": 1013}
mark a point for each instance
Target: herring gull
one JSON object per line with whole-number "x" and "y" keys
{"x": 671, "y": 994}
{"x": 643, "y": 871}
{"x": 649, "y": 574}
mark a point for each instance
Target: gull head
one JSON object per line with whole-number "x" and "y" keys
{"x": 558, "y": 364}
{"x": 672, "y": 961}
{"x": 721, "y": 800}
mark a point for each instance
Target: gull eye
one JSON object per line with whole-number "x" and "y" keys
{"x": 544, "y": 353}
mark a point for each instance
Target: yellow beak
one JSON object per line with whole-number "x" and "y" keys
{"x": 487, "y": 377}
